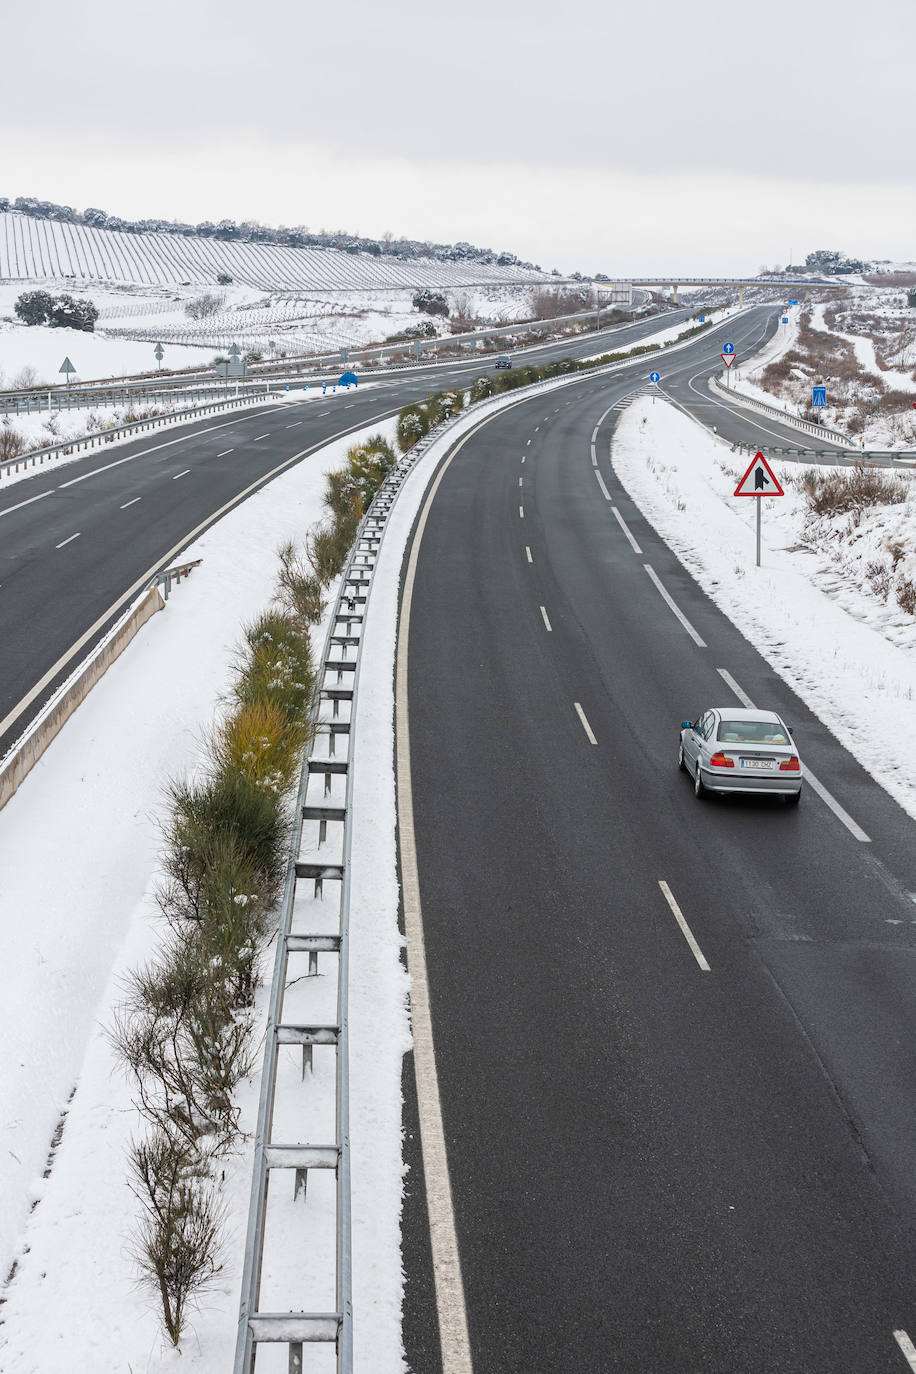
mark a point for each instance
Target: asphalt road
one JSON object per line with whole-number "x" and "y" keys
{"x": 654, "y": 1167}
{"x": 75, "y": 541}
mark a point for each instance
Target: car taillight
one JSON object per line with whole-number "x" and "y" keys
{"x": 721, "y": 760}
{"x": 791, "y": 765}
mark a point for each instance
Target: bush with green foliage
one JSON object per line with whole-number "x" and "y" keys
{"x": 61, "y": 311}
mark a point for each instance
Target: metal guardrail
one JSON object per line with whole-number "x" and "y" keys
{"x": 338, "y": 686}
{"x": 33, "y": 402}
{"x": 843, "y": 440}
{"x": 103, "y": 436}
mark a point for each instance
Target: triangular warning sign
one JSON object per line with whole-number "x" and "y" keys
{"x": 759, "y": 480}
{"x": 728, "y": 359}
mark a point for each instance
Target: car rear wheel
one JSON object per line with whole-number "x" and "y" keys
{"x": 699, "y": 791}
{"x": 680, "y": 757}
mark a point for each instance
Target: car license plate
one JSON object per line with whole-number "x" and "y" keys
{"x": 759, "y": 765}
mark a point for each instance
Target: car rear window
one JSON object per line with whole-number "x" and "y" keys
{"x": 751, "y": 732}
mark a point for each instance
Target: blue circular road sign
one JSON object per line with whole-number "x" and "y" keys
{"x": 728, "y": 348}
{"x": 654, "y": 377}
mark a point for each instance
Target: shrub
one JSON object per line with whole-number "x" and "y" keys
{"x": 906, "y": 595}
{"x": 67, "y": 313}
{"x": 12, "y": 444}
{"x": 368, "y": 465}
{"x": 328, "y": 547}
{"x": 34, "y": 307}
{"x": 178, "y": 1245}
{"x": 227, "y": 808}
{"x": 262, "y": 744}
{"x": 201, "y": 307}
{"x": 413, "y": 423}
{"x": 278, "y": 666}
{"x": 481, "y": 388}
{"x": 851, "y": 489}
{"x": 223, "y": 278}
{"x": 299, "y": 591}
{"x": 430, "y": 302}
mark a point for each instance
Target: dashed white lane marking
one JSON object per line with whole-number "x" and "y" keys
{"x": 520, "y": 481}
{"x": 131, "y": 503}
{"x": 528, "y": 445}
{"x": 536, "y": 428}
{"x": 295, "y": 425}
{"x": 906, "y": 1345}
{"x": 544, "y": 614}
{"x": 623, "y": 525}
{"x": 826, "y": 797}
{"x": 669, "y": 600}
{"x": 67, "y": 541}
{"x": 257, "y": 439}
{"x": 607, "y": 494}
{"x": 523, "y": 457}
{"x": 594, "y": 457}
{"x": 585, "y": 725}
{"x": 685, "y": 928}
{"x": 181, "y": 474}
{"x": 9, "y": 510}
{"x": 521, "y": 512}
{"x": 528, "y": 553}
{"x": 225, "y": 451}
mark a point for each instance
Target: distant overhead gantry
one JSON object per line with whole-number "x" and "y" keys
{"x": 621, "y": 292}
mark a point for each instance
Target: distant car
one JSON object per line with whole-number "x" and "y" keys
{"x": 732, "y": 750}
{"x": 503, "y": 362}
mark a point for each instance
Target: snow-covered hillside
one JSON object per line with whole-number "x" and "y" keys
{"x": 32, "y": 248}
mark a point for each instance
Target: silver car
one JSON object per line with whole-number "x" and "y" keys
{"x": 732, "y": 750}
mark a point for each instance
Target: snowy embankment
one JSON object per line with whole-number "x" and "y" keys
{"x": 79, "y": 843}
{"x": 824, "y": 611}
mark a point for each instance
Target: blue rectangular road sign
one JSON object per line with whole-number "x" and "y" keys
{"x": 785, "y": 319}
{"x": 818, "y": 397}
{"x": 793, "y": 302}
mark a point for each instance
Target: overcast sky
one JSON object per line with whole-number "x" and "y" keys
{"x": 700, "y": 136}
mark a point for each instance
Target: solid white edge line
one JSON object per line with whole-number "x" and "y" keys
{"x": 585, "y": 725}
{"x": 685, "y": 928}
{"x": 672, "y": 604}
{"x": 600, "y": 479}
{"x": 9, "y": 510}
{"x": 907, "y": 1346}
{"x": 544, "y": 614}
{"x": 826, "y": 797}
{"x": 449, "y": 1286}
{"x": 624, "y": 526}
{"x": 738, "y": 691}
{"x": 528, "y": 552}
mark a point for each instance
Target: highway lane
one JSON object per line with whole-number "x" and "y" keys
{"x": 112, "y": 529}
{"x": 654, "y": 1166}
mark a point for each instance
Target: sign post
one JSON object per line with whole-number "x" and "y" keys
{"x": 728, "y": 357}
{"x": 758, "y": 481}
{"x": 159, "y": 354}
{"x": 67, "y": 367}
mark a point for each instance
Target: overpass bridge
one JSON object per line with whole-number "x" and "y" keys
{"x": 618, "y": 289}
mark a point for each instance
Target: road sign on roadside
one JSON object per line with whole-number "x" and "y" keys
{"x": 727, "y": 348}
{"x": 818, "y": 397}
{"x": 654, "y": 377}
{"x": 785, "y": 319}
{"x": 701, "y": 319}
{"x": 66, "y": 366}
{"x": 728, "y": 359}
{"x": 759, "y": 480}
{"x": 793, "y": 302}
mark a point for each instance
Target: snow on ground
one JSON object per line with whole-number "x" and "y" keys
{"x": 72, "y": 927}
{"x": 847, "y": 650}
